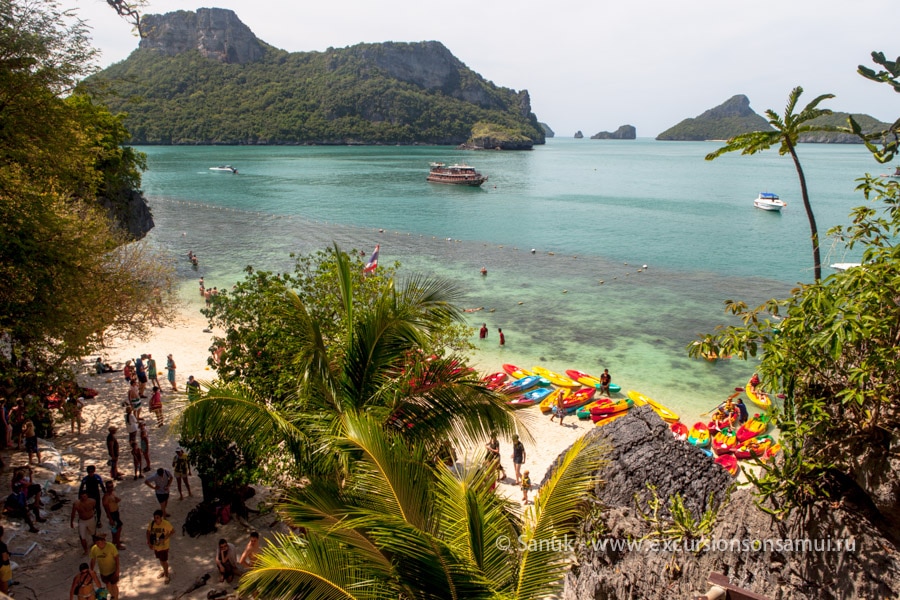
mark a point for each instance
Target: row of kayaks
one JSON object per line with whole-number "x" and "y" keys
{"x": 749, "y": 441}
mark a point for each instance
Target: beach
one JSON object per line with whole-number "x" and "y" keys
{"x": 47, "y": 562}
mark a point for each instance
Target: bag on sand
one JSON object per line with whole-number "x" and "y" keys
{"x": 201, "y": 520}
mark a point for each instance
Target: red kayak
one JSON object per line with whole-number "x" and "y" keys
{"x": 729, "y": 463}
{"x": 495, "y": 380}
{"x": 679, "y": 430}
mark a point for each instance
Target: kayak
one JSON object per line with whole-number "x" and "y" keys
{"x": 756, "y": 426}
{"x": 576, "y": 400}
{"x": 679, "y": 430}
{"x": 756, "y": 447}
{"x": 555, "y": 378}
{"x": 729, "y": 463}
{"x": 699, "y": 434}
{"x": 548, "y": 403}
{"x": 606, "y": 409}
{"x": 585, "y": 379}
{"x": 495, "y": 380}
{"x": 531, "y": 397}
{"x": 724, "y": 442}
{"x": 604, "y": 420}
{"x": 758, "y": 397}
{"x": 520, "y": 385}
{"x": 515, "y": 372}
{"x": 664, "y": 413}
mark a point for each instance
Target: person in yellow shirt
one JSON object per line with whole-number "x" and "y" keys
{"x": 105, "y": 557}
{"x": 158, "y": 533}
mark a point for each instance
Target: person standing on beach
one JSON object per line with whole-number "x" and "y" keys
{"x": 160, "y": 482}
{"x": 92, "y": 484}
{"x": 518, "y": 457}
{"x": 558, "y": 410}
{"x": 145, "y": 444}
{"x": 193, "y": 388}
{"x": 170, "y": 372}
{"x": 86, "y": 508}
{"x": 17, "y": 421}
{"x": 493, "y": 456}
{"x": 105, "y": 558}
{"x": 158, "y": 533}
{"x": 6, "y": 566}
{"x": 131, "y": 425}
{"x": 111, "y": 508}
{"x": 182, "y": 467}
{"x": 483, "y": 332}
{"x": 31, "y": 441}
{"x": 156, "y": 405}
{"x": 526, "y": 486}
{"x": 128, "y": 371}
{"x": 152, "y": 375}
{"x": 502, "y": 337}
{"x": 136, "y": 461}
{"x": 605, "y": 380}
{"x": 85, "y": 584}
{"x": 141, "y": 372}
{"x": 112, "y": 447}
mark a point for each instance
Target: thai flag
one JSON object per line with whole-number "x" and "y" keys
{"x": 373, "y": 262}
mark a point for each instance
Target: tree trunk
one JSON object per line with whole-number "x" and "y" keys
{"x": 813, "y": 230}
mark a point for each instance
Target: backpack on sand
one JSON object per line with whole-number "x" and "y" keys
{"x": 201, "y": 520}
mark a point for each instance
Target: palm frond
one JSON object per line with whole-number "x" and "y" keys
{"x": 551, "y": 522}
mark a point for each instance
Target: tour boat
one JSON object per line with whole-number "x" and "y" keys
{"x": 769, "y": 201}
{"x": 455, "y": 175}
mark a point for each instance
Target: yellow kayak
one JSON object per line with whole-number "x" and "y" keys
{"x": 758, "y": 397}
{"x": 555, "y": 378}
{"x": 664, "y": 413}
{"x": 610, "y": 418}
{"x": 549, "y": 402}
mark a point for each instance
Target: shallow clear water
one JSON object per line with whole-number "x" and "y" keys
{"x": 594, "y": 211}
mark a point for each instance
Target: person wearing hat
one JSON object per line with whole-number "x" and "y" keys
{"x": 112, "y": 447}
{"x": 182, "y": 467}
{"x": 105, "y": 558}
{"x": 170, "y": 372}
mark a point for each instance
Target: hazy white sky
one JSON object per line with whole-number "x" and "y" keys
{"x": 593, "y": 65}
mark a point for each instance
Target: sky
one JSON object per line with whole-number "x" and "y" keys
{"x": 594, "y": 65}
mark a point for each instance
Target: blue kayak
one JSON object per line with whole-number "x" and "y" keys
{"x": 520, "y": 385}
{"x": 532, "y": 397}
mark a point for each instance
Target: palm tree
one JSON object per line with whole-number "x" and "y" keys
{"x": 377, "y": 367}
{"x": 402, "y": 527}
{"x": 786, "y": 131}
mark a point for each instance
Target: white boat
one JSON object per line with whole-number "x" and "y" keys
{"x": 769, "y": 201}
{"x": 228, "y": 168}
{"x": 843, "y": 266}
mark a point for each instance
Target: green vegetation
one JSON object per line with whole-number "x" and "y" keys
{"x": 785, "y": 132}
{"x": 298, "y": 358}
{"x": 69, "y": 279}
{"x": 697, "y": 130}
{"x": 334, "y": 97}
{"x": 400, "y": 526}
{"x": 832, "y": 348}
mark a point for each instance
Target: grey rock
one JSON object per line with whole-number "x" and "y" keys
{"x": 216, "y": 33}
{"x": 578, "y": 135}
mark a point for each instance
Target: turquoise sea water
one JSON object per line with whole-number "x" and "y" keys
{"x": 595, "y": 212}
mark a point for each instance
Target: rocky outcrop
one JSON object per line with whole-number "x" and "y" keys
{"x": 625, "y": 132}
{"x": 782, "y": 560}
{"x": 579, "y": 135}
{"x": 547, "y": 131}
{"x": 216, "y": 33}
{"x": 732, "y": 117}
{"x": 131, "y": 212}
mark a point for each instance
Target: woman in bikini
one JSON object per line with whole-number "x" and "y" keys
{"x": 84, "y": 584}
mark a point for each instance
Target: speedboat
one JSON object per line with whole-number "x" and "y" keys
{"x": 769, "y": 201}
{"x": 228, "y": 168}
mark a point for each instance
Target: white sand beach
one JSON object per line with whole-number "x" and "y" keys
{"x": 47, "y": 562}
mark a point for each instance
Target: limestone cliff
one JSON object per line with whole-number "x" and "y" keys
{"x": 643, "y": 451}
{"x": 579, "y": 135}
{"x": 625, "y": 132}
{"x": 216, "y": 33}
{"x": 732, "y": 117}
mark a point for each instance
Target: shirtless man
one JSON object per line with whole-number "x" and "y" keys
{"x": 84, "y": 507}
{"x": 111, "y": 508}
{"x": 84, "y": 584}
{"x": 248, "y": 558}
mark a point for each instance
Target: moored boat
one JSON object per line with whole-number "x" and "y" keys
{"x": 729, "y": 463}
{"x": 520, "y": 385}
{"x": 699, "y": 434}
{"x": 455, "y": 175}
{"x": 555, "y": 378}
{"x": 756, "y": 447}
{"x": 531, "y": 397}
{"x": 585, "y": 379}
{"x": 757, "y": 396}
{"x": 664, "y": 413}
{"x": 769, "y": 201}
{"x": 679, "y": 430}
{"x": 757, "y": 425}
{"x": 602, "y": 410}
{"x": 601, "y": 421}
{"x": 495, "y": 380}
{"x": 724, "y": 442}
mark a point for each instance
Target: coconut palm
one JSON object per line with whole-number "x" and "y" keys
{"x": 786, "y": 131}
{"x": 376, "y": 367}
{"x": 402, "y": 527}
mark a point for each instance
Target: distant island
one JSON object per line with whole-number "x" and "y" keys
{"x": 625, "y": 132}
{"x": 204, "y": 78}
{"x": 734, "y": 117}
